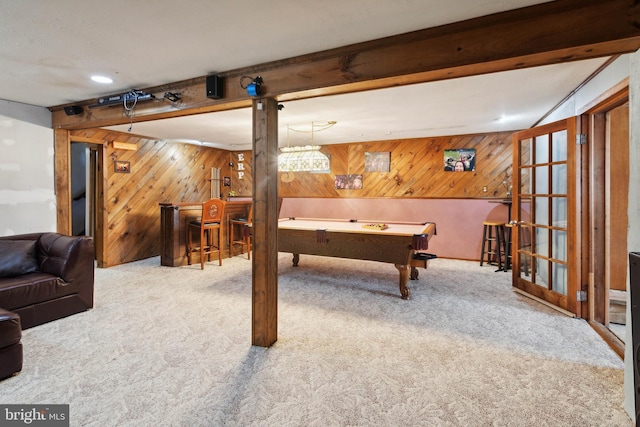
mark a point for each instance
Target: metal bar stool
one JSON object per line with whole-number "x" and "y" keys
{"x": 524, "y": 235}
{"x": 245, "y": 233}
{"x": 508, "y": 232}
{"x": 492, "y": 243}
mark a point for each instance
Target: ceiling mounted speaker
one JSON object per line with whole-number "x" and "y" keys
{"x": 73, "y": 110}
{"x": 214, "y": 87}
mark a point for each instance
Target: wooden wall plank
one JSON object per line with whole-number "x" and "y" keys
{"x": 160, "y": 172}
{"x": 416, "y": 169}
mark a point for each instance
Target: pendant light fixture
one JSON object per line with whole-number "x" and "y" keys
{"x": 307, "y": 158}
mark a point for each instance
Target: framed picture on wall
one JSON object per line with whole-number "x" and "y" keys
{"x": 120, "y": 166}
{"x": 377, "y": 161}
{"x": 460, "y": 160}
{"x": 226, "y": 181}
{"x": 349, "y": 182}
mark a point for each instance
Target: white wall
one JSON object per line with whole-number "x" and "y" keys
{"x": 609, "y": 77}
{"x": 27, "y": 198}
{"x": 633, "y": 237}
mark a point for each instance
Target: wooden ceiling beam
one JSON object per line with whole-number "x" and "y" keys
{"x": 549, "y": 33}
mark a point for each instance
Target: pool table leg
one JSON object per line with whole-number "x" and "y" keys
{"x": 296, "y": 259}
{"x": 404, "y": 278}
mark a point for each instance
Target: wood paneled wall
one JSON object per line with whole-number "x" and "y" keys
{"x": 177, "y": 173}
{"x": 160, "y": 172}
{"x": 416, "y": 169}
{"x": 242, "y": 162}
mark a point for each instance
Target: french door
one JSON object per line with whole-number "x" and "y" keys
{"x": 545, "y": 262}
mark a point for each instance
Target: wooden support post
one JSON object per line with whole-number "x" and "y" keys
{"x": 62, "y": 164}
{"x": 264, "y": 330}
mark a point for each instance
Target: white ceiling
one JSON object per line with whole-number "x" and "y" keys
{"x": 50, "y": 49}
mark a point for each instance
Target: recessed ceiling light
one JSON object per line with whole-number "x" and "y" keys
{"x": 102, "y": 79}
{"x": 506, "y": 118}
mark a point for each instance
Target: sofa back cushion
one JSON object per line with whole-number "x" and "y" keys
{"x": 17, "y": 257}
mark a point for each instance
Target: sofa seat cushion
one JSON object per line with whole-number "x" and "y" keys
{"x": 33, "y": 288}
{"x": 17, "y": 257}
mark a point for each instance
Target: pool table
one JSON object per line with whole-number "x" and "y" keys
{"x": 391, "y": 242}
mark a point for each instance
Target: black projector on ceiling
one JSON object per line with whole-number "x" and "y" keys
{"x": 130, "y": 98}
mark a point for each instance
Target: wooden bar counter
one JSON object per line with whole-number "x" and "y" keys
{"x": 173, "y": 225}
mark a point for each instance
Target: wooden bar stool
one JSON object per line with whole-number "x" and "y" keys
{"x": 210, "y": 220}
{"x": 492, "y": 243}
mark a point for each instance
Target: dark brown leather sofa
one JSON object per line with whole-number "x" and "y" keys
{"x": 43, "y": 277}
{"x": 56, "y": 284}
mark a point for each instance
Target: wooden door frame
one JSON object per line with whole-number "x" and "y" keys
{"x": 63, "y": 140}
{"x": 594, "y": 255}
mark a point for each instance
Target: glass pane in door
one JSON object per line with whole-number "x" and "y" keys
{"x": 559, "y": 245}
{"x": 559, "y": 182}
{"x": 559, "y": 146}
{"x": 542, "y": 180}
{"x": 541, "y": 210}
{"x": 525, "y": 152}
{"x": 559, "y": 211}
{"x": 542, "y": 149}
{"x": 559, "y": 278}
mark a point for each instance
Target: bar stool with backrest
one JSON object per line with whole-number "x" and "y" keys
{"x": 244, "y": 224}
{"x": 492, "y": 243}
{"x": 210, "y": 220}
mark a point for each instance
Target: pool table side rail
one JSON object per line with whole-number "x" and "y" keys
{"x": 368, "y": 245}
{"x": 356, "y": 226}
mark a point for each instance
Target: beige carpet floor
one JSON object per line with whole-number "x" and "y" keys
{"x": 171, "y": 347}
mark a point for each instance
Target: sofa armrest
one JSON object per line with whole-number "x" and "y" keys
{"x": 68, "y": 257}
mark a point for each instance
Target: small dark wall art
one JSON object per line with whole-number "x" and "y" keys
{"x": 460, "y": 160}
{"x": 377, "y": 161}
{"x": 226, "y": 181}
{"x": 120, "y": 166}
{"x": 349, "y": 182}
